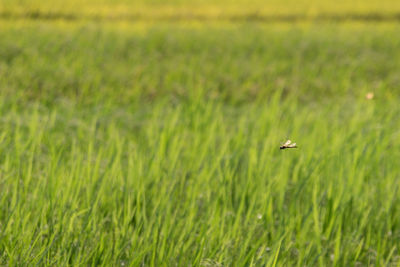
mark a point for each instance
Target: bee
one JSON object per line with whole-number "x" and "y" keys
{"x": 288, "y": 144}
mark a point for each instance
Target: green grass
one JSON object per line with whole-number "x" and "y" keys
{"x": 91, "y": 63}
{"x": 149, "y": 145}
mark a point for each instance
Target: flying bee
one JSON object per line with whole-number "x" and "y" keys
{"x": 288, "y": 144}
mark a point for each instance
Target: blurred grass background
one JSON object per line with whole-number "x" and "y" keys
{"x": 124, "y": 63}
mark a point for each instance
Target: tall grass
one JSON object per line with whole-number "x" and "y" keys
{"x": 200, "y": 184}
{"x": 161, "y": 147}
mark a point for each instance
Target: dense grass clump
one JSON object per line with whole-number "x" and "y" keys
{"x": 152, "y": 145}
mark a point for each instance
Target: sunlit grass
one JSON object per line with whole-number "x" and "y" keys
{"x": 89, "y": 62}
{"x": 191, "y": 184}
{"x": 158, "y": 145}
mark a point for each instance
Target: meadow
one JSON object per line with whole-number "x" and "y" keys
{"x": 141, "y": 143}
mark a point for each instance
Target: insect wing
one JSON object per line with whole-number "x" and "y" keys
{"x": 287, "y": 143}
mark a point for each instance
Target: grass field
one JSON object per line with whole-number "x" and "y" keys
{"x": 155, "y": 143}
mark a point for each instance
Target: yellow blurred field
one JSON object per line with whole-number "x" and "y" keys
{"x": 287, "y": 10}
